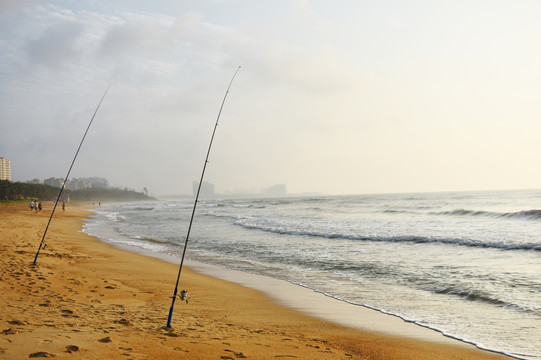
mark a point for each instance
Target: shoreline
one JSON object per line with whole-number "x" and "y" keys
{"x": 317, "y": 304}
{"x": 88, "y": 299}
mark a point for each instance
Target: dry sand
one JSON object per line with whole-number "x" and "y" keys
{"x": 87, "y": 300}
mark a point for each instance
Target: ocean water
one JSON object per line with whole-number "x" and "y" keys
{"x": 465, "y": 263}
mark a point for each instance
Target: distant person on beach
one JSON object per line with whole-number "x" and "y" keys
{"x": 63, "y": 206}
{"x": 39, "y": 206}
{"x": 31, "y": 205}
{"x": 36, "y": 206}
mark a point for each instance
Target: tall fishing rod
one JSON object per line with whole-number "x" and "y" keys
{"x": 68, "y": 174}
{"x": 195, "y": 203}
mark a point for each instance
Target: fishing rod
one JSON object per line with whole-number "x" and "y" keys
{"x": 67, "y": 175}
{"x": 184, "y": 292}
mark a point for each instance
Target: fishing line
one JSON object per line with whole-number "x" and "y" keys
{"x": 66, "y": 178}
{"x": 184, "y": 292}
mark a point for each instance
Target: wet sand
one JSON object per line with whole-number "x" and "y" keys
{"x": 85, "y": 299}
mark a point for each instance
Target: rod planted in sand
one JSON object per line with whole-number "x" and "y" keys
{"x": 195, "y": 203}
{"x": 68, "y": 174}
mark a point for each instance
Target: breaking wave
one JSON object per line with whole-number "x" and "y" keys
{"x": 524, "y": 214}
{"x": 289, "y": 229}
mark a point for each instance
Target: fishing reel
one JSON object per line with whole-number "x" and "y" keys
{"x": 183, "y": 295}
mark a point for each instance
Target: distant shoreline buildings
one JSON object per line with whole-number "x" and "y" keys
{"x": 276, "y": 190}
{"x": 75, "y": 183}
{"x": 5, "y": 169}
{"x": 207, "y": 190}
{"x": 97, "y": 185}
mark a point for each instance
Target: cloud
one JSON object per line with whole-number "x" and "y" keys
{"x": 320, "y": 89}
{"x": 142, "y": 38}
{"x": 56, "y": 44}
{"x": 15, "y": 5}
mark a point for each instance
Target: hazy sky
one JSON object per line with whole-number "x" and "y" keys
{"x": 336, "y": 97}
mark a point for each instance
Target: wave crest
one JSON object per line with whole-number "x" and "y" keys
{"x": 288, "y": 229}
{"x": 533, "y": 214}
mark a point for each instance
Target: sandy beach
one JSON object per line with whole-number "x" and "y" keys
{"x": 85, "y": 299}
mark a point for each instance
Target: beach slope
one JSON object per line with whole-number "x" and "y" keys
{"x": 85, "y": 299}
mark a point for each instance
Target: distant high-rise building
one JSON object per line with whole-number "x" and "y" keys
{"x": 5, "y": 169}
{"x": 276, "y": 190}
{"x": 87, "y": 183}
{"x": 56, "y": 182}
{"x": 207, "y": 189}
{"x": 78, "y": 184}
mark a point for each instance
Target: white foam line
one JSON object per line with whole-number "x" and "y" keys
{"x": 330, "y": 309}
{"x": 320, "y": 305}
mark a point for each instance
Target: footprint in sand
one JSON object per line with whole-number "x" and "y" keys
{"x": 122, "y": 322}
{"x": 17, "y": 322}
{"x": 68, "y": 313}
{"x": 72, "y": 348}
{"x": 105, "y": 340}
{"x": 41, "y": 354}
{"x": 238, "y": 355}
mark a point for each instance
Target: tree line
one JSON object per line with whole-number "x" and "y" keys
{"x": 26, "y": 191}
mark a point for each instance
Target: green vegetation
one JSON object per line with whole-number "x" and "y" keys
{"x": 21, "y": 191}
{"x": 24, "y": 191}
